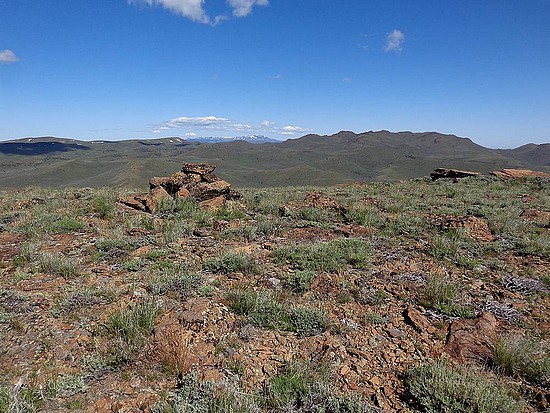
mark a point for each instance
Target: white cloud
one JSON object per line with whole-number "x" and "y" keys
{"x": 293, "y": 129}
{"x": 394, "y": 41}
{"x": 215, "y": 124}
{"x": 8, "y": 56}
{"x": 347, "y": 80}
{"x": 242, "y": 8}
{"x": 191, "y": 134}
{"x": 195, "y": 10}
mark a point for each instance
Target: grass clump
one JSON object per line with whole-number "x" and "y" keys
{"x": 302, "y": 388}
{"x": 441, "y": 293}
{"x": 261, "y": 308}
{"x": 231, "y": 262}
{"x": 103, "y": 204}
{"x": 522, "y": 357}
{"x": 326, "y": 256}
{"x": 176, "y": 281}
{"x": 129, "y": 328}
{"x": 439, "y": 388}
{"x": 300, "y": 281}
{"x": 57, "y": 264}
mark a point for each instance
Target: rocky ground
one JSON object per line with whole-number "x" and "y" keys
{"x": 285, "y": 299}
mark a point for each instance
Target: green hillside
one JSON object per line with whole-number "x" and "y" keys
{"x": 311, "y": 160}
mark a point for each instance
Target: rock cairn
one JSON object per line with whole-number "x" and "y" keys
{"x": 194, "y": 180}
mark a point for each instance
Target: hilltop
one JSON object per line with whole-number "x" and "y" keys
{"x": 413, "y": 296}
{"x": 310, "y": 160}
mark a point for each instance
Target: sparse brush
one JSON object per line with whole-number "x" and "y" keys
{"x": 300, "y": 281}
{"x": 326, "y": 256}
{"x": 57, "y": 264}
{"x": 129, "y": 327}
{"x": 232, "y": 262}
{"x": 103, "y": 204}
{"x": 260, "y": 307}
{"x": 307, "y": 322}
{"x": 440, "y": 388}
{"x": 20, "y": 398}
{"x": 176, "y": 281}
{"x": 441, "y": 293}
{"x": 301, "y": 387}
{"x": 522, "y": 357}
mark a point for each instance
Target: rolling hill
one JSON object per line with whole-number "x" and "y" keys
{"x": 310, "y": 160}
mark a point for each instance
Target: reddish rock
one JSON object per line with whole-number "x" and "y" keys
{"x": 472, "y": 341}
{"x": 204, "y": 191}
{"x": 474, "y": 227}
{"x": 154, "y": 199}
{"x": 198, "y": 168}
{"x": 183, "y": 193}
{"x": 418, "y": 321}
{"x": 477, "y": 228}
{"x": 136, "y": 201}
{"x": 214, "y": 203}
{"x": 519, "y": 173}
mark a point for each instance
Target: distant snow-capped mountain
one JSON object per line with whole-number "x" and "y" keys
{"x": 218, "y": 139}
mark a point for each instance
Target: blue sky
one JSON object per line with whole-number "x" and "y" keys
{"x": 120, "y": 69}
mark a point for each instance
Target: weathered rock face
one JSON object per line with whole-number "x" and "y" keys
{"x": 519, "y": 173}
{"x": 472, "y": 341}
{"x": 440, "y": 173}
{"x": 194, "y": 180}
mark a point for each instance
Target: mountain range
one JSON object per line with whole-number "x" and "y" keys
{"x": 344, "y": 157}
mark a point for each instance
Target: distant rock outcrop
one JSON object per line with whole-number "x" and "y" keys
{"x": 195, "y": 180}
{"x": 440, "y": 173}
{"x": 519, "y": 173}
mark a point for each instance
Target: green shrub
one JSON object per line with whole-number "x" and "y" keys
{"x": 177, "y": 281}
{"x": 441, "y": 389}
{"x": 326, "y": 256}
{"x": 66, "y": 224}
{"x": 26, "y": 251}
{"x": 308, "y": 321}
{"x": 232, "y": 262}
{"x": 300, "y": 281}
{"x": 260, "y": 307}
{"x": 303, "y": 388}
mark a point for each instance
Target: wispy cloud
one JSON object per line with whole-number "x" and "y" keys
{"x": 8, "y": 56}
{"x": 394, "y": 41}
{"x": 195, "y": 10}
{"x": 215, "y": 124}
{"x": 347, "y": 80}
{"x": 242, "y": 8}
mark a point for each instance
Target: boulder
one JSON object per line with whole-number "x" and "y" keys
{"x": 441, "y": 173}
{"x": 472, "y": 341}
